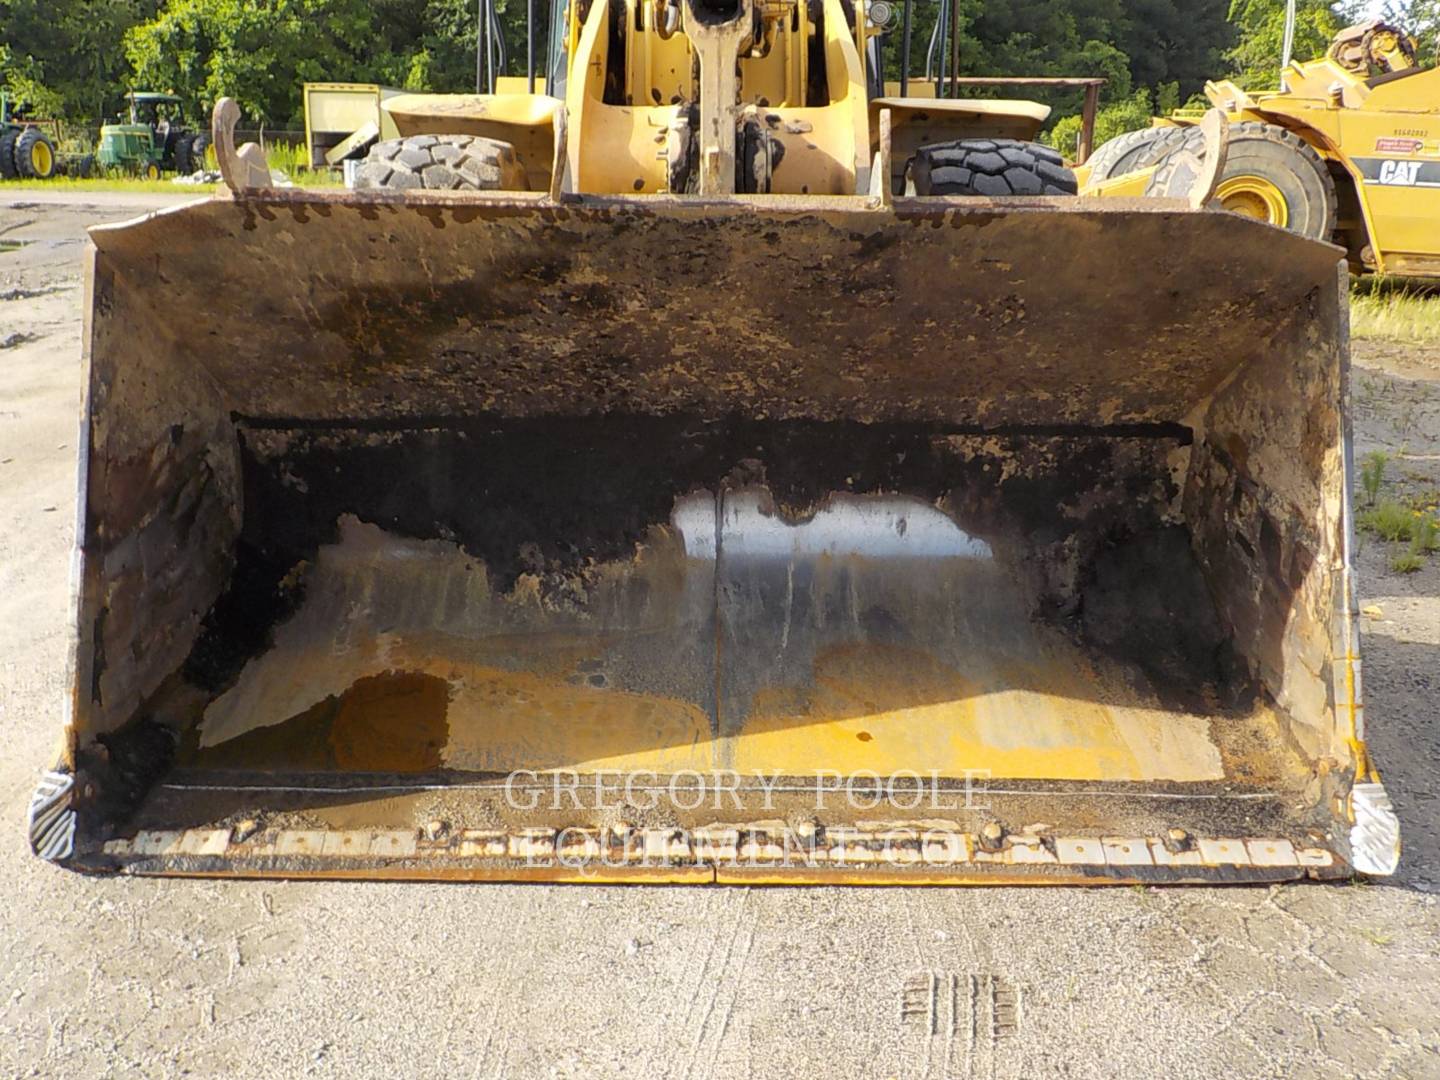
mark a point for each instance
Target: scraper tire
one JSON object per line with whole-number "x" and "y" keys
{"x": 1270, "y": 173}
{"x": 1132, "y": 151}
{"x": 990, "y": 167}
{"x": 442, "y": 163}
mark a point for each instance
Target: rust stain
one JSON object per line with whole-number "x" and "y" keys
{"x": 394, "y": 722}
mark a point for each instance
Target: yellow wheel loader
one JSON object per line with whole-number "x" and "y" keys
{"x": 1348, "y": 150}
{"x": 707, "y": 470}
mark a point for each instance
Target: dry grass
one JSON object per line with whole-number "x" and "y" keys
{"x": 106, "y": 183}
{"x": 1395, "y": 311}
{"x": 288, "y": 159}
{"x": 163, "y": 186}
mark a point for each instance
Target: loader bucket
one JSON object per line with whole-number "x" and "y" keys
{"x": 762, "y": 539}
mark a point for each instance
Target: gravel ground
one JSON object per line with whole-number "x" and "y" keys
{"x": 144, "y": 978}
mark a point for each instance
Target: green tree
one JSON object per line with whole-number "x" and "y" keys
{"x": 64, "y": 56}
{"x": 1422, "y": 19}
{"x": 1023, "y": 38}
{"x": 260, "y": 51}
{"x": 1116, "y": 118}
{"x": 1136, "y": 44}
{"x": 1257, "y": 55}
{"x": 1176, "y": 41}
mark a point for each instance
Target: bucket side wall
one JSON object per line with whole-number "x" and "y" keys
{"x": 161, "y": 499}
{"x": 1265, "y": 499}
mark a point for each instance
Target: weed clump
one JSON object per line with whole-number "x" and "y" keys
{"x": 1372, "y": 474}
{"x": 1389, "y": 520}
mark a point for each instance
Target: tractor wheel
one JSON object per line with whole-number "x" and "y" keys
{"x": 1132, "y": 151}
{"x": 990, "y": 167}
{"x": 184, "y": 164}
{"x": 1270, "y": 174}
{"x": 199, "y": 152}
{"x": 442, "y": 162}
{"x": 150, "y": 170}
{"x": 8, "y": 168}
{"x": 35, "y": 155}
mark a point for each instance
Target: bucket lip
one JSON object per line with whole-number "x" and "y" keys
{"x": 868, "y": 852}
{"x": 922, "y": 846}
{"x": 857, "y": 212}
{"x": 957, "y": 210}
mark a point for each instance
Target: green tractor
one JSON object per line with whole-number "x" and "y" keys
{"x": 155, "y": 140}
{"x": 26, "y": 151}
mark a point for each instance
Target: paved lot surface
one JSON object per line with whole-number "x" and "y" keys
{"x": 136, "y": 978}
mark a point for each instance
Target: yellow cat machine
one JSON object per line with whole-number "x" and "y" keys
{"x": 634, "y": 483}
{"x": 1347, "y": 150}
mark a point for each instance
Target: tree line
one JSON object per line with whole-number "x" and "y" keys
{"x": 75, "y": 59}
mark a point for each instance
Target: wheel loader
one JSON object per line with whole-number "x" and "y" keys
{"x": 704, "y": 469}
{"x": 1348, "y": 150}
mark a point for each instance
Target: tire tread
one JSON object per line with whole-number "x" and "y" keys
{"x": 990, "y": 168}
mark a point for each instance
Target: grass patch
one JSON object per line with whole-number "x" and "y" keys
{"x": 1395, "y": 311}
{"x": 1412, "y": 522}
{"x": 1407, "y": 562}
{"x": 1390, "y": 520}
{"x": 106, "y": 183}
{"x": 163, "y": 186}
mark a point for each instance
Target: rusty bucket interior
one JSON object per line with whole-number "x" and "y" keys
{"x": 449, "y": 498}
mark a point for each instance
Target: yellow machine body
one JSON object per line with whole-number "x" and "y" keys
{"x": 631, "y": 96}
{"x": 1378, "y": 134}
{"x": 1383, "y": 137}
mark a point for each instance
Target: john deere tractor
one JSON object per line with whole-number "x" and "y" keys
{"x": 26, "y": 151}
{"x": 155, "y": 139}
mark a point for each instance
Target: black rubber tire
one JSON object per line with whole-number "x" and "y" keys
{"x": 1132, "y": 151}
{"x": 183, "y": 163}
{"x": 84, "y": 167}
{"x": 1270, "y": 153}
{"x": 199, "y": 144}
{"x": 442, "y": 163}
{"x": 990, "y": 167}
{"x": 25, "y": 146}
{"x": 8, "y": 168}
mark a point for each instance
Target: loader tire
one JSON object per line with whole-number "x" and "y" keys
{"x": 35, "y": 156}
{"x": 442, "y": 163}
{"x": 990, "y": 167}
{"x": 1132, "y": 151}
{"x": 8, "y": 169}
{"x": 1270, "y": 174}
